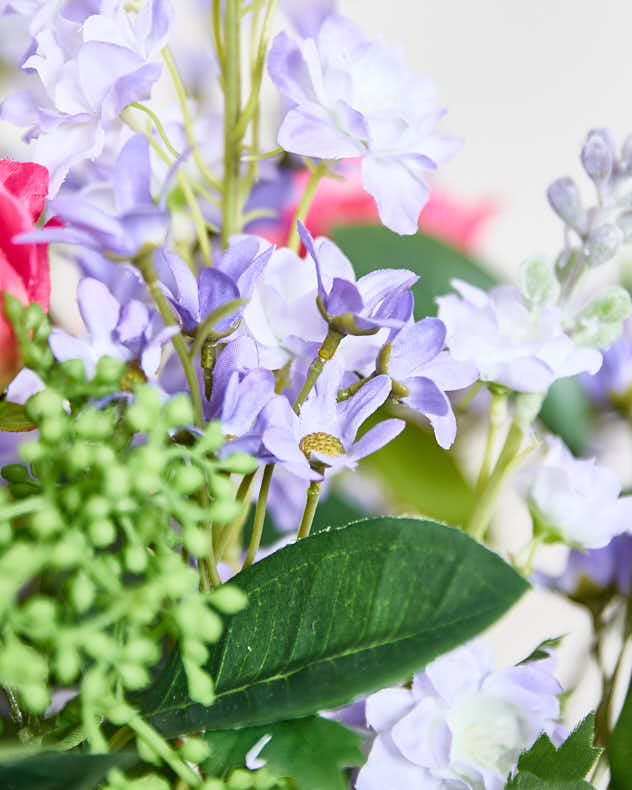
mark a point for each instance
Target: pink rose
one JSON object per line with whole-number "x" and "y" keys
{"x": 23, "y": 267}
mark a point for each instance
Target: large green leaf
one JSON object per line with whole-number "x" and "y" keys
{"x": 543, "y": 767}
{"x": 13, "y": 418}
{"x": 566, "y": 412}
{"x": 375, "y": 247}
{"x": 341, "y": 613}
{"x": 61, "y": 771}
{"x": 312, "y": 751}
{"x": 620, "y": 747}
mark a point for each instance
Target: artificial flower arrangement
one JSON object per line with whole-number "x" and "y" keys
{"x": 197, "y": 589}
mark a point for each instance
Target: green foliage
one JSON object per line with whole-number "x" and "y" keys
{"x": 58, "y": 771}
{"x": 13, "y": 418}
{"x": 90, "y": 535}
{"x": 543, "y": 767}
{"x": 311, "y": 751}
{"x": 620, "y": 747}
{"x": 338, "y": 614}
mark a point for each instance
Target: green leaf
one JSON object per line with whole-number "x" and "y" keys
{"x": 620, "y": 747}
{"x": 422, "y": 477}
{"x": 436, "y": 263}
{"x": 543, "y": 650}
{"x": 543, "y": 767}
{"x": 566, "y": 412}
{"x": 61, "y": 771}
{"x": 13, "y": 418}
{"x": 312, "y": 751}
{"x": 342, "y": 613}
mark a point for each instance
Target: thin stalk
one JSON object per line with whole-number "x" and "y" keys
{"x": 206, "y": 327}
{"x": 260, "y": 514}
{"x": 232, "y": 106}
{"x": 159, "y": 127}
{"x": 16, "y": 713}
{"x": 313, "y": 494}
{"x": 217, "y": 33}
{"x": 303, "y": 207}
{"x": 229, "y": 534}
{"x": 497, "y": 417}
{"x": 159, "y": 745}
{"x": 325, "y": 353}
{"x": 266, "y": 155}
{"x": 188, "y": 119}
{"x": 17, "y": 509}
{"x": 147, "y": 269}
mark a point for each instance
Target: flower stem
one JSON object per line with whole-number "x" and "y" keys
{"x": 325, "y": 353}
{"x": 260, "y": 514}
{"x": 147, "y": 269}
{"x": 226, "y": 538}
{"x": 159, "y": 745}
{"x": 305, "y": 202}
{"x": 313, "y": 494}
{"x": 497, "y": 417}
{"x": 231, "y": 222}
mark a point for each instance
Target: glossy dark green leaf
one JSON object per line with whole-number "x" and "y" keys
{"x": 543, "y": 767}
{"x": 566, "y": 412}
{"x": 620, "y": 747}
{"x": 61, "y": 770}
{"x": 312, "y": 751}
{"x": 436, "y": 263}
{"x": 339, "y": 614}
{"x": 13, "y": 419}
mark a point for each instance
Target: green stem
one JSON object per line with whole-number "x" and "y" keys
{"x": 325, "y": 353}
{"x": 148, "y": 734}
{"x": 188, "y": 119}
{"x": 313, "y": 494}
{"x": 303, "y": 207}
{"x": 147, "y": 269}
{"x": 217, "y": 32}
{"x": 497, "y": 417}
{"x": 229, "y": 534}
{"x": 232, "y": 106}
{"x": 260, "y": 514}
{"x": 17, "y": 509}
{"x": 159, "y": 127}
{"x": 206, "y": 327}
{"x": 16, "y": 713}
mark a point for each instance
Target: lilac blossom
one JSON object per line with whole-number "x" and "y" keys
{"x": 89, "y": 72}
{"x": 323, "y": 435}
{"x": 234, "y": 277}
{"x": 575, "y": 500}
{"x": 117, "y": 215}
{"x": 356, "y": 98}
{"x": 594, "y": 570}
{"x": 241, "y": 388}
{"x": 510, "y": 344}
{"x": 379, "y": 299}
{"x": 462, "y": 724}
{"x": 127, "y": 332}
{"x": 613, "y": 381}
{"x": 307, "y": 16}
{"x": 421, "y": 372}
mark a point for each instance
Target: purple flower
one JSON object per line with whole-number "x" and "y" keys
{"x": 575, "y": 500}
{"x": 89, "y": 70}
{"x": 128, "y": 332}
{"x": 117, "y": 215}
{"x": 356, "y": 98}
{"x": 461, "y": 725}
{"x": 595, "y": 570}
{"x": 241, "y": 388}
{"x": 323, "y": 435}
{"x": 379, "y": 299}
{"x": 510, "y": 344}
{"x": 421, "y": 372}
{"x": 307, "y": 16}
{"x": 234, "y": 277}
{"x": 613, "y": 380}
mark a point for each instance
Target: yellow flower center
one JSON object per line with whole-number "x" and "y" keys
{"x": 324, "y": 443}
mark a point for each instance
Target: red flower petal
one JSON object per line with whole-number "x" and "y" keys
{"x": 28, "y": 182}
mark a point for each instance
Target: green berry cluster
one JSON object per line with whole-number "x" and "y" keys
{"x": 100, "y": 532}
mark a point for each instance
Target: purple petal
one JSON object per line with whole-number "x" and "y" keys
{"x": 132, "y": 175}
{"x": 311, "y": 131}
{"x": 153, "y": 23}
{"x": 415, "y": 346}
{"x": 130, "y": 88}
{"x": 254, "y": 391}
{"x": 448, "y": 374}
{"x": 376, "y": 438}
{"x": 378, "y": 285}
{"x": 182, "y": 285}
{"x": 100, "y": 64}
{"x": 133, "y": 321}
{"x": 426, "y": 397}
{"x": 284, "y": 447}
{"x": 99, "y": 309}
{"x": 289, "y": 71}
{"x": 364, "y": 403}
{"x": 216, "y": 288}
{"x": 344, "y": 297}
{"x": 308, "y": 241}
{"x": 399, "y": 192}
{"x": 444, "y": 428}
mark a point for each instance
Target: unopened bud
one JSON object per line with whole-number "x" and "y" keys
{"x": 603, "y": 244}
{"x": 598, "y": 155}
{"x": 566, "y": 202}
{"x": 538, "y": 282}
{"x": 229, "y": 599}
{"x": 200, "y": 684}
{"x": 599, "y": 324}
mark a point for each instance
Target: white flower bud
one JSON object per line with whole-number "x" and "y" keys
{"x": 603, "y": 244}
{"x": 566, "y": 202}
{"x": 598, "y": 155}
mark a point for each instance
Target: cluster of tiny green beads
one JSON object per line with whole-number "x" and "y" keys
{"x": 97, "y": 540}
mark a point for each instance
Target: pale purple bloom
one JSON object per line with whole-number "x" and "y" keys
{"x": 89, "y": 72}
{"x": 324, "y": 433}
{"x": 127, "y": 332}
{"x": 575, "y": 500}
{"x": 416, "y": 361}
{"x": 595, "y": 570}
{"x": 356, "y": 98}
{"x": 117, "y": 215}
{"x": 241, "y": 388}
{"x": 234, "y": 276}
{"x": 613, "y": 381}
{"x": 510, "y": 344}
{"x": 307, "y": 16}
{"x": 379, "y": 299}
{"x": 462, "y": 725}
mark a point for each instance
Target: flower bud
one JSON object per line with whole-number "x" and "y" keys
{"x": 222, "y": 512}
{"x": 195, "y": 750}
{"x": 195, "y": 651}
{"x": 229, "y": 599}
{"x": 179, "y": 412}
{"x": 196, "y": 541}
{"x": 239, "y": 463}
{"x": 598, "y": 155}
{"x": 200, "y": 684}
{"x": 188, "y": 479}
{"x": 133, "y": 676}
{"x": 538, "y": 282}
{"x": 603, "y": 244}
{"x": 109, "y": 370}
{"x": 600, "y": 322}
{"x": 566, "y": 202}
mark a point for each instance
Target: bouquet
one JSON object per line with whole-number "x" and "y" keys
{"x": 238, "y": 547}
